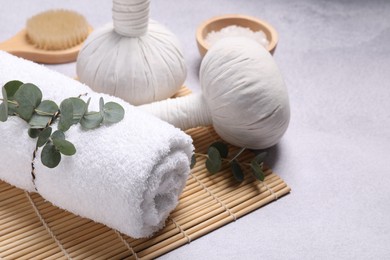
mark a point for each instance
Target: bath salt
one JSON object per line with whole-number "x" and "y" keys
{"x": 234, "y": 30}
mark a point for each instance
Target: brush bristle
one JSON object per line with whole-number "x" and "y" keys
{"x": 57, "y": 29}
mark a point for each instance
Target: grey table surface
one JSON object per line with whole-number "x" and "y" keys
{"x": 335, "y": 59}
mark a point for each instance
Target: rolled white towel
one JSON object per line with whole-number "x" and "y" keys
{"x": 127, "y": 175}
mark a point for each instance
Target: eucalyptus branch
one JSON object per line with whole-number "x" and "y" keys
{"x": 217, "y": 154}
{"x": 24, "y": 100}
{"x": 238, "y": 154}
{"x": 222, "y": 159}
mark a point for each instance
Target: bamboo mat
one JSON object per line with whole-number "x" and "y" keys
{"x": 32, "y": 228}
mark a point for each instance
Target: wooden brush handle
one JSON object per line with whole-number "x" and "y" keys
{"x": 19, "y": 46}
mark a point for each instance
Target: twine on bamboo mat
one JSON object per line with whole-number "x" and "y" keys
{"x": 215, "y": 197}
{"x": 127, "y": 244}
{"x": 270, "y": 190}
{"x": 46, "y": 226}
{"x": 181, "y": 230}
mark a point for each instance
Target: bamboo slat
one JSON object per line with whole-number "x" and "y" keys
{"x": 32, "y": 228}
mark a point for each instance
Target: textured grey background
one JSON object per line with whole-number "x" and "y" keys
{"x": 335, "y": 58}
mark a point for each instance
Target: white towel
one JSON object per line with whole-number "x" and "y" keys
{"x": 127, "y": 176}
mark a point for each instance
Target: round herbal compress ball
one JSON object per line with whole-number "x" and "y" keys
{"x": 245, "y": 93}
{"x": 133, "y": 58}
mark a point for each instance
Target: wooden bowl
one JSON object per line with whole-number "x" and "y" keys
{"x": 219, "y": 22}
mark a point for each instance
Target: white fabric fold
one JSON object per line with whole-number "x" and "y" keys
{"x": 127, "y": 176}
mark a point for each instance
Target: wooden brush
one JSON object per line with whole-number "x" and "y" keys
{"x": 51, "y": 37}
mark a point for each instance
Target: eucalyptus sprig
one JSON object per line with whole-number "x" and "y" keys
{"x": 217, "y": 154}
{"x": 25, "y": 101}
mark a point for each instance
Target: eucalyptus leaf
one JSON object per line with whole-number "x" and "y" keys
{"x": 63, "y": 146}
{"x": 66, "y": 116}
{"x": 193, "y": 161}
{"x": 38, "y": 121}
{"x": 11, "y": 109}
{"x": 4, "y": 106}
{"x": 3, "y": 112}
{"x": 213, "y": 162}
{"x": 44, "y": 136}
{"x": 11, "y": 87}
{"x": 260, "y": 157}
{"x": 50, "y": 156}
{"x": 46, "y": 107}
{"x": 28, "y": 97}
{"x": 34, "y": 133}
{"x": 113, "y": 112}
{"x": 25, "y": 111}
{"x": 222, "y": 148}
{"x": 79, "y": 109}
{"x": 91, "y": 120}
{"x": 101, "y": 106}
{"x": 237, "y": 171}
{"x": 257, "y": 171}
{"x": 213, "y": 154}
{"x": 58, "y": 135}
{"x": 12, "y": 105}
{"x": 5, "y": 95}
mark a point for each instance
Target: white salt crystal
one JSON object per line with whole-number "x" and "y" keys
{"x": 234, "y": 30}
